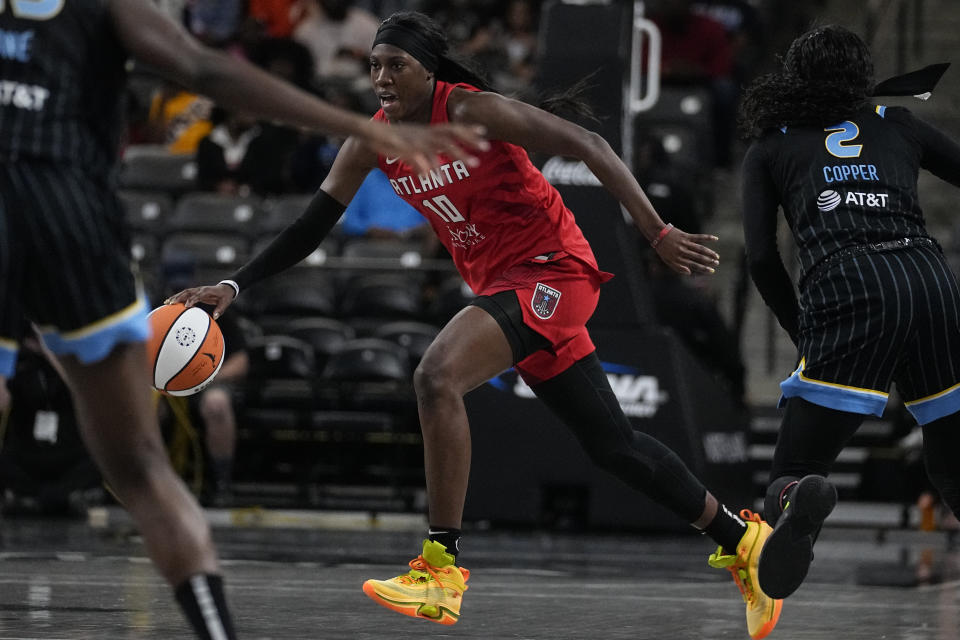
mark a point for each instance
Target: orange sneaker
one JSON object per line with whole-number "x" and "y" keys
{"x": 763, "y": 612}
{"x": 432, "y": 589}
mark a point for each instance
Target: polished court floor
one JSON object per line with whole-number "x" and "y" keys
{"x": 300, "y": 579}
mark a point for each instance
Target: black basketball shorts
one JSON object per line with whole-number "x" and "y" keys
{"x": 65, "y": 263}
{"x": 879, "y": 318}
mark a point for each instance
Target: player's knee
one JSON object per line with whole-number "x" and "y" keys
{"x": 432, "y": 378}
{"x": 216, "y": 405}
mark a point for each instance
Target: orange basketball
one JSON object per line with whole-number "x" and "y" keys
{"x": 185, "y": 349}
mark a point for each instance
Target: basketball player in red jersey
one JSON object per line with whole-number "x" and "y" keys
{"x": 519, "y": 248}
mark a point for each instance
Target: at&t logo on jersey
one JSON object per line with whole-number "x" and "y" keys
{"x": 829, "y": 200}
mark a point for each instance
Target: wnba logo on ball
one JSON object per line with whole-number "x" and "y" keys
{"x": 828, "y": 200}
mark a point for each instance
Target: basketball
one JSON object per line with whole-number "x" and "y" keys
{"x": 185, "y": 350}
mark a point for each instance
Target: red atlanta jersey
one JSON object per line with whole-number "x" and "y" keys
{"x": 492, "y": 216}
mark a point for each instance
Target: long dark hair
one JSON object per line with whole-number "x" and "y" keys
{"x": 827, "y": 76}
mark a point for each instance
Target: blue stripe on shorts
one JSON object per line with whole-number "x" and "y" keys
{"x": 95, "y": 342}
{"x": 926, "y": 410}
{"x": 832, "y": 395}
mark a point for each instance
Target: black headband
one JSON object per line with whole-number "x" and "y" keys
{"x": 411, "y": 41}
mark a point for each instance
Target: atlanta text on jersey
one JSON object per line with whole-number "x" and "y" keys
{"x": 433, "y": 179}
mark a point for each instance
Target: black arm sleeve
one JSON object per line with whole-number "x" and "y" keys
{"x": 940, "y": 155}
{"x": 294, "y": 243}
{"x": 760, "y": 202}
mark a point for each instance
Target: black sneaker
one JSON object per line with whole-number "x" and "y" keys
{"x": 788, "y": 552}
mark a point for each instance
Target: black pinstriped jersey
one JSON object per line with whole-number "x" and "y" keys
{"x": 852, "y": 183}
{"x": 61, "y": 80}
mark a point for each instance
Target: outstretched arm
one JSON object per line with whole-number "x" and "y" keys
{"x": 536, "y": 130}
{"x": 156, "y": 40}
{"x": 760, "y": 202}
{"x": 300, "y": 238}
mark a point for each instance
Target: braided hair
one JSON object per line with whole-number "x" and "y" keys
{"x": 827, "y": 76}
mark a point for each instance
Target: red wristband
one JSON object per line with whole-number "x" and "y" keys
{"x": 660, "y": 236}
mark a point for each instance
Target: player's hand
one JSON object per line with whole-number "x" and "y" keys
{"x": 220, "y": 296}
{"x": 421, "y": 146}
{"x": 685, "y": 253}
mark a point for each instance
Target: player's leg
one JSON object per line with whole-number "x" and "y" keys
{"x": 220, "y": 435}
{"x": 467, "y": 352}
{"x": 582, "y": 398}
{"x": 80, "y": 291}
{"x": 799, "y": 497}
{"x": 941, "y": 442}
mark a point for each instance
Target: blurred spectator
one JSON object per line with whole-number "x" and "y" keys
{"x": 284, "y": 58}
{"x": 506, "y": 46}
{"x": 697, "y": 50}
{"x": 215, "y": 22}
{"x": 178, "y": 119}
{"x": 377, "y": 212}
{"x": 277, "y": 18}
{"x": 214, "y": 407}
{"x": 461, "y": 19}
{"x": 744, "y": 28}
{"x": 339, "y": 36}
{"x": 240, "y": 156}
{"x": 44, "y": 466}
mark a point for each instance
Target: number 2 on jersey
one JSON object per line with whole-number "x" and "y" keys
{"x": 34, "y": 9}
{"x": 841, "y": 135}
{"x": 442, "y": 206}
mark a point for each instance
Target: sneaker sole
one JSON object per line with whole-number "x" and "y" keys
{"x": 412, "y": 609}
{"x": 788, "y": 551}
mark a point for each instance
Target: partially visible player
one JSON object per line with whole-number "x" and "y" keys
{"x": 64, "y": 249}
{"x": 878, "y": 302}
{"x": 520, "y": 249}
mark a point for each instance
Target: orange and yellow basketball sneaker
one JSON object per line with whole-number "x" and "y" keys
{"x": 432, "y": 589}
{"x": 763, "y": 612}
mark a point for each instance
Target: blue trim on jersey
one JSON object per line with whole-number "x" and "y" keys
{"x": 95, "y": 342}
{"x": 881, "y": 110}
{"x": 8, "y": 358}
{"x": 833, "y": 396}
{"x": 935, "y": 407}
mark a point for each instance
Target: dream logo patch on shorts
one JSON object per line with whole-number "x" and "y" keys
{"x": 544, "y": 301}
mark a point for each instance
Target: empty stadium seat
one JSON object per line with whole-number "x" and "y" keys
{"x": 221, "y": 250}
{"x": 368, "y": 359}
{"x": 414, "y": 337}
{"x": 393, "y": 295}
{"x": 146, "y": 211}
{"x": 280, "y": 357}
{"x": 296, "y": 292}
{"x": 406, "y": 251}
{"x": 281, "y": 211}
{"x": 213, "y": 212}
{"x": 155, "y": 169}
{"x": 325, "y": 335}
{"x": 318, "y": 257}
{"x": 452, "y": 296}
{"x": 145, "y": 249}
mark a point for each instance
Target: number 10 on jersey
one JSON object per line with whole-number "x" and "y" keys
{"x": 442, "y": 206}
